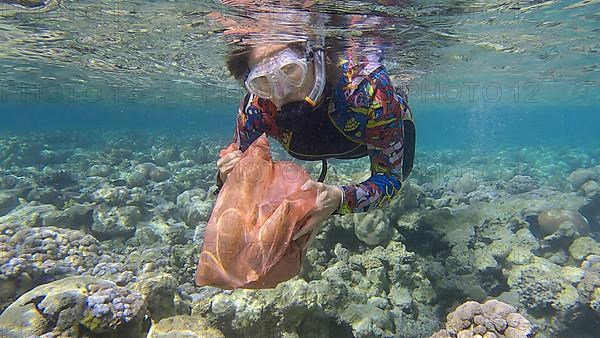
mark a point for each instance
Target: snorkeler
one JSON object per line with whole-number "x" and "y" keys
{"x": 318, "y": 109}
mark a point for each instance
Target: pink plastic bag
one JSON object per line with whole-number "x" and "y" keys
{"x": 248, "y": 240}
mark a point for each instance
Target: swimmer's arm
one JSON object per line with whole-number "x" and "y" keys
{"x": 249, "y": 122}
{"x": 384, "y": 139}
{"x": 378, "y": 190}
{"x": 248, "y": 127}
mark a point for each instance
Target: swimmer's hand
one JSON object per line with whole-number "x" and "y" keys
{"x": 227, "y": 162}
{"x": 329, "y": 198}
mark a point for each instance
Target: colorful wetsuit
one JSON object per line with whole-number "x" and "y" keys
{"x": 363, "y": 111}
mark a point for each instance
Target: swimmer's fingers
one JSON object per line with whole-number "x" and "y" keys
{"x": 227, "y": 163}
{"x": 228, "y": 158}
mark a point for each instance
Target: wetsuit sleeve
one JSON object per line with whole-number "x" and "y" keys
{"x": 249, "y": 126}
{"x": 383, "y": 135}
{"x": 249, "y": 122}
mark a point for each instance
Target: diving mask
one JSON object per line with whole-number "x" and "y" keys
{"x": 279, "y": 76}
{"x": 285, "y": 72}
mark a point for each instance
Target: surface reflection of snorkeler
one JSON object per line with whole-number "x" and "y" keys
{"x": 319, "y": 109}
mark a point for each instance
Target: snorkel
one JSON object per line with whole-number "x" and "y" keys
{"x": 320, "y": 77}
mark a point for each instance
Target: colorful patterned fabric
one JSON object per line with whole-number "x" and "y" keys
{"x": 368, "y": 110}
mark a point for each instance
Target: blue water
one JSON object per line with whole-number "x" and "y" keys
{"x": 440, "y": 124}
{"x": 484, "y": 75}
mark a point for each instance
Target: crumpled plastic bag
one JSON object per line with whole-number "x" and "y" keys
{"x": 248, "y": 242}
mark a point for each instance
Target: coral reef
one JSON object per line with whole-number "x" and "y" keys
{"x": 159, "y": 291}
{"x": 194, "y": 206}
{"x": 550, "y": 221}
{"x": 76, "y": 307}
{"x": 372, "y": 228}
{"x": 33, "y": 256}
{"x": 580, "y": 176}
{"x": 125, "y": 214}
{"x": 184, "y": 326}
{"x": 8, "y": 201}
{"x": 112, "y": 222}
{"x": 147, "y": 171}
{"x": 583, "y": 247}
{"x": 520, "y": 184}
{"x": 589, "y": 285}
{"x": 30, "y": 214}
{"x": 490, "y": 319}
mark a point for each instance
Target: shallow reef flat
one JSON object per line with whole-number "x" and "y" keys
{"x": 100, "y": 236}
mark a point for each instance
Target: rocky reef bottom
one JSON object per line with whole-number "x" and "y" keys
{"x": 100, "y": 236}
